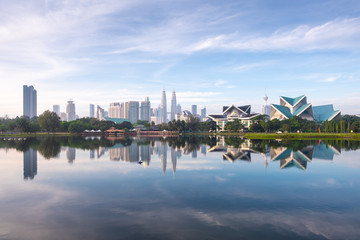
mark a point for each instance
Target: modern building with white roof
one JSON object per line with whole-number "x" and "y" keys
{"x": 230, "y": 113}
{"x": 290, "y": 107}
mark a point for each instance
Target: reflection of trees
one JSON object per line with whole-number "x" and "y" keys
{"x": 234, "y": 141}
{"x": 20, "y": 145}
{"x": 343, "y": 144}
{"x": 293, "y": 144}
{"x": 189, "y": 144}
{"x": 50, "y": 147}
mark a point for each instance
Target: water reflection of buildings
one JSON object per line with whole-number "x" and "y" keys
{"x": 114, "y": 154}
{"x": 243, "y": 152}
{"x": 287, "y": 157}
{"x": 163, "y": 157}
{"x": 30, "y": 163}
{"x": 290, "y": 158}
{"x": 92, "y": 154}
{"x": 101, "y": 151}
{"x": 173, "y": 159}
{"x": 299, "y": 158}
{"x": 70, "y": 154}
{"x": 145, "y": 155}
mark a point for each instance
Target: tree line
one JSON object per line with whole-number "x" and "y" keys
{"x": 262, "y": 123}
{"x": 50, "y": 122}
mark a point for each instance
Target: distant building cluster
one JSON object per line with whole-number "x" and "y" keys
{"x": 133, "y": 111}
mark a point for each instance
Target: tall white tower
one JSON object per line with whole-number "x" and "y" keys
{"x": 266, "y": 107}
{"x": 163, "y": 108}
{"x": 173, "y": 105}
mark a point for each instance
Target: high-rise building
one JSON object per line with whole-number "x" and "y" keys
{"x": 173, "y": 106}
{"x": 163, "y": 108}
{"x": 114, "y": 110}
{"x": 70, "y": 110}
{"x": 178, "y": 109}
{"x": 63, "y": 116}
{"x": 194, "y": 109}
{"x": 56, "y": 109}
{"x": 145, "y": 110}
{"x": 122, "y": 110}
{"x": 131, "y": 111}
{"x": 203, "y": 114}
{"x": 100, "y": 113}
{"x": 29, "y": 101}
{"x": 92, "y": 110}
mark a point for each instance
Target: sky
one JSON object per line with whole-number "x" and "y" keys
{"x": 212, "y": 53}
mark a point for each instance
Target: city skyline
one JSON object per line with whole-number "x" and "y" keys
{"x": 208, "y": 52}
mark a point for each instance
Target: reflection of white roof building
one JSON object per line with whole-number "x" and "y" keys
{"x": 230, "y": 113}
{"x": 290, "y": 107}
{"x": 231, "y": 153}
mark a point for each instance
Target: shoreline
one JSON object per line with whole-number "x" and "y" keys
{"x": 59, "y": 134}
{"x": 289, "y": 136}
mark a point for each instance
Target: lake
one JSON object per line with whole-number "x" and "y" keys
{"x": 179, "y": 188}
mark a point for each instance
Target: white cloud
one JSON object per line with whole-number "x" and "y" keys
{"x": 330, "y": 79}
{"x": 220, "y": 83}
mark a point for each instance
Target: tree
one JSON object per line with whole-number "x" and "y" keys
{"x": 3, "y": 127}
{"x": 285, "y": 127}
{"x": 23, "y": 124}
{"x": 49, "y": 121}
{"x": 193, "y": 123}
{"x": 234, "y": 126}
{"x": 355, "y": 127}
{"x": 76, "y": 127}
{"x": 124, "y": 125}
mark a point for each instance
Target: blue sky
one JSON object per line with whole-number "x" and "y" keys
{"x": 212, "y": 53}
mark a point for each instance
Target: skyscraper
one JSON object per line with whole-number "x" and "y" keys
{"x": 178, "y": 109}
{"x": 203, "y": 114}
{"x": 92, "y": 110}
{"x": 100, "y": 113}
{"x": 114, "y": 110}
{"x": 29, "y": 101}
{"x": 132, "y": 111}
{"x": 145, "y": 110}
{"x": 163, "y": 108}
{"x": 70, "y": 110}
{"x": 173, "y": 106}
{"x": 56, "y": 109}
{"x": 194, "y": 109}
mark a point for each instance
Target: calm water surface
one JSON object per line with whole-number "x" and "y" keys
{"x": 177, "y": 188}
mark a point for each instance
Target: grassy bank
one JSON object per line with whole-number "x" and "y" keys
{"x": 298, "y": 136}
{"x": 352, "y": 136}
{"x": 38, "y": 134}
